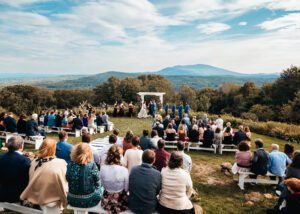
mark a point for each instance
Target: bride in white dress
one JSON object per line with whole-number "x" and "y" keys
{"x": 143, "y": 111}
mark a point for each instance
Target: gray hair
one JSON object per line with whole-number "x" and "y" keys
{"x": 14, "y": 143}
{"x": 241, "y": 127}
{"x": 275, "y": 146}
{"x": 34, "y": 116}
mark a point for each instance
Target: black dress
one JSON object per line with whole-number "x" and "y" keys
{"x": 115, "y": 114}
{"x": 170, "y": 137}
{"x": 121, "y": 111}
{"x": 194, "y": 135}
{"x": 21, "y": 126}
{"x": 228, "y": 140}
{"x": 130, "y": 110}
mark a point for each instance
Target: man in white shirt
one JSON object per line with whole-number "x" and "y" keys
{"x": 119, "y": 139}
{"x": 219, "y": 122}
{"x": 187, "y": 161}
{"x": 112, "y": 140}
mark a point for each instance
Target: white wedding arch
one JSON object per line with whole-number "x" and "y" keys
{"x": 159, "y": 94}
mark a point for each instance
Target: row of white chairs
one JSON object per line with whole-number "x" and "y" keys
{"x": 35, "y": 140}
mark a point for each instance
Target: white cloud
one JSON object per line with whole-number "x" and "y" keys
{"x": 287, "y": 22}
{"x": 18, "y": 3}
{"x": 243, "y": 23}
{"x": 23, "y": 18}
{"x": 213, "y": 27}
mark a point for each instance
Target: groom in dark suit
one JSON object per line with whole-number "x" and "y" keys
{"x": 153, "y": 108}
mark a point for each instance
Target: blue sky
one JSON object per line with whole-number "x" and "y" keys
{"x": 81, "y": 37}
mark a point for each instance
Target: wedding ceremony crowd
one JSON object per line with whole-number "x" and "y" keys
{"x": 133, "y": 173}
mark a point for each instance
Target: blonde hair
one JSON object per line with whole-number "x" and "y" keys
{"x": 195, "y": 127}
{"x": 47, "y": 149}
{"x": 114, "y": 155}
{"x": 180, "y": 127}
{"x": 82, "y": 154}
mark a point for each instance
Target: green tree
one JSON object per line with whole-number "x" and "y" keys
{"x": 263, "y": 112}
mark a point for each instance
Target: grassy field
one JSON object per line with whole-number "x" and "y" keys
{"x": 217, "y": 192}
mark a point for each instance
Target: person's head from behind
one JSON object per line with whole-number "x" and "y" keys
{"x": 15, "y": 143}
{"x": 86, "y": 137}
{"x": 34, "y": 116}
{"x": 128, "y": 136}
{"x": 114, "y": 155}
{"x": 116, "y": 132}
{"x": 259, "y": 143}
{"x": 205, "y": 115}
{"x": 22, "y": 116}
{"x": 180, "y": 127}
{"x": 247, "y": 129}
{"x": 228, "y": 129}
{"x": 148, "y": 156}
{"x": 145, "y": 133}
{"x": 63, "y": 135}
{"x": 135, "y": 141}
{"x": 293, "y": 185}
{"x": 194, "y": 121}
{"x": 154, "y": 133}
{"x": 170, "y": 126}
{"x": 219, "y": 116}
{"x": 176, "y": 161}
{"x": 296, "y": 160}
{"x": 183, "y": 122}
{"x": 160, "y": 143}
{"x": 112, "y": 139}
{"x": 186, "y": 115}
{"x": 289, "y": 148}
{"x": 243, "y": 146}
{"x": 180, "y": 145}
{"x": 167, "y": 117}
{"x": 274, "y": 147}
{"x": 195, "y": 127}
{"x": 82, "y": 154}
{"x": 241, "y": 128}
{"x": 218, "y": 130}
{"x": 228, "y": 124}
{"x": 208, "y": 127}
{"x": 47, "y": 149}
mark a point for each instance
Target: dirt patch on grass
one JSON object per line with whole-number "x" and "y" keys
{"x": 210, "y": 174}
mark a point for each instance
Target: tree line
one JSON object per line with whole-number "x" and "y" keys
{"x": 279, "y": 101}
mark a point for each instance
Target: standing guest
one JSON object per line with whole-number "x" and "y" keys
{"x": 130, "y": 107}
{"x": 171, "y": 133}
{"x": 167, "y": 109}
{"x": 154, "y": 137}
{"x": 86, "y": 138}
{"x": 21, "y": 126}
{"x": 115, "y": 113}
{"x": 150, "y": 108}
{"x": 277, "y": 162}
{"x": 194, "y": 134}
{"x": 10, "y": 123}
{"x": 176, "y": 188}
{"x": 187, "y": 160}
{"x": 219, "y": 122}
{"x": 64, "y": 122}
{"x": 146, "y": 143}
{"x": 58, "y": 119}
{"x": 187, "y": 119}
{"x": 174, "y": 110}
{"x": 208, "y": 137}
{"x": 213, "y": 126}
{"x": 14, "y": 169}
{"x": 112, "y": 141}
{"x": 51, "y": 120}
{"x": 133, "y": 156}
{"x": 77, "y": 123}
{"x": 32, "y": 128}
{"x": 201, "y": 131}
{"x": 187, "y": 109}
{"x": 127, "y": 141}
{"x": 227, "y": 136}
{"x": 205, "y": 120}
{"x": 153, "y": 108}
{"x": 218, "y": 136}
{"x": 180, "y": 110}
{"x": 240, "y": 136}
{"x": 85, "y": 120}
{"x": 121, "y": 109}
{"x": 242, "y": 158}
{"x": 47, "y": 180}
{"x": 160, "y": 129}
{"x": 182, "y": 134}
{"x": 162, "y": 156}
{"x": 259, "y": 163}
{"x": 144, "y": 185}
{"x": 63, "y": 148}
{"x": 114, "y": 178}
{"x": 289, "y": 150}
{"x": 83, "y": 178}
{"x": 166, "y": 121}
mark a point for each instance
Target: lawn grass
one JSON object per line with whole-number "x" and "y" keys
{"x": 223, "y": 197}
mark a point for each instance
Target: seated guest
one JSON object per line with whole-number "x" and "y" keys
{"x": 83, "y": 178}
{"x": 127, "y": 141}
{"x": 192, "y": 125}
{"x": 248, "y": 133}
{"x": 10, "y": 123}
{"x": 119, "y": 139}
{"x": 187, "y": 161}
{"x": 3, "y": 115}
{"x": 242, "y": 158}
{"x": 227, "y": 136}
{"x": 144, "y": 185}
{"x": 228, "y": 125}
{"x": 133, "y": 156}
{"x": 112, "y": 141}
{"x": 32, "y": 128}
{"x": 239, "y": 136}
{"x": 201, "y": 131}
{"x": 292, "y": 202}
{"x": 47, "y": 180}
{"x": 208, "y": 137}
{"x": 77, "y": 123}
{"x": 63, "y": 148}
{"x": 64, "y": 122}
{"x": 181, "y": 133}
{"x": 160, "y": 129}
{"x": 154, "y": 137}
{"x": 21, "y": 126}
{"x": 218, "y": 136}
{"x": 86, "y": 138}
{"x": 176, "y": 188}
{"x": 41, "y": 118}
{"x": 177, "y": 121}
{"x": 114, "y": 178}
{"x": 166, "y": 122}
{"x": 105, "y": 118}
{"x": 174, "y": 125}
{"x": 100, "y": 122}
{"x": 259, "y": 163}
{"x": 58, "y": 119}
{"x": 293, "y": 171}
{"x": 14, "y": 168}
{"x": 187, "y": 119}
{"x": 46, "y": 118}
{"x": 277, "y": 162}
{"x": 289, "y": 150}
{"x": 170, "y": 132}
{"x": 85, "y": 120}
{"x": 194, "y": 134}
{"x": 145, "y": 142}
{"x": 162, "y": 156}
{"x": 51, "y": 120}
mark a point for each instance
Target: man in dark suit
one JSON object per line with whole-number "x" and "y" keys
{"x": 145, "y": 142}
{"x": 77, "y": 123}
{"x": 100, "y": 121}
{"x": 10, "y": 123}
{"x": 32, "y": 128}
{"x": 144, "y": 185}
{"x": 260, "y": 160}
{"x": 160, "y": 129}
{"x": 58, "y": 119}
{"x": 240, "y": 136}
{"x": 166, "y": 121}
{"x": 208, "y": 137}
{"x": 14, "y": 168}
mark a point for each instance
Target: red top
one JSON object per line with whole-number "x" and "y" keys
{"x": 126, "y": 146}
{"x": 296, "y": 193}
{"x": 161, "y": 158}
